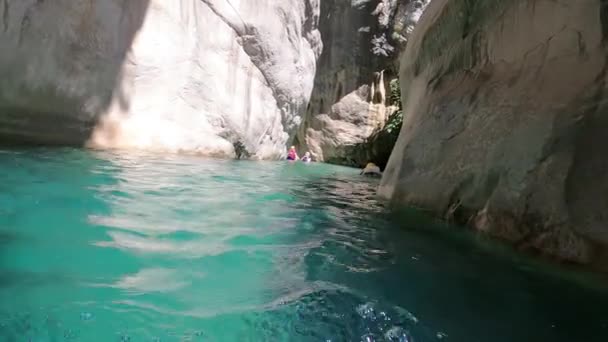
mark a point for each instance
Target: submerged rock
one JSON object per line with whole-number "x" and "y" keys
{"x": 504, "y": 121}
{"x": 371, "y": 170}
{"x": 184, "y": 75}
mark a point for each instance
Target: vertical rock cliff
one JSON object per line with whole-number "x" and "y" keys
{"x": 199, "y": 76}
{"x": 349, "y": 104}
{"x": 60, "y": 64}
{"x": 505, "y": 120}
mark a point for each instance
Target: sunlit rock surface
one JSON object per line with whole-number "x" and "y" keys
{"x": 188, "y": 75}
{"x": 506, "y": 120}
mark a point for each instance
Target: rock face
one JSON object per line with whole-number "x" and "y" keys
{"x": 60, "y": 63}
{"x": 349, "y": 104}
{"x": 505, "y": 121}
{"x": 185, "y": 75}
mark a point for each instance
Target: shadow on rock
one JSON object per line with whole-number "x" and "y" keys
{"x": 64, "y": 68}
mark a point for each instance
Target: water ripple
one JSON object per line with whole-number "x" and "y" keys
{"x": 100, "y": 246}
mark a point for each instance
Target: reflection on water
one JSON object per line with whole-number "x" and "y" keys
{"x": 98, "y": 246}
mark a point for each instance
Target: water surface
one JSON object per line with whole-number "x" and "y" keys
{"x": 99, "y": 246}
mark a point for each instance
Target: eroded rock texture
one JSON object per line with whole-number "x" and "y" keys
{"x": 505, "y": 122}
{"x": 349, "y": 105}
{"x": 187, "y": 75}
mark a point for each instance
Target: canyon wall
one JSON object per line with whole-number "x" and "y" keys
{"x": 214, "y": 77}
{"x": 505, "y": 120}
{"x": 350, "y": 102}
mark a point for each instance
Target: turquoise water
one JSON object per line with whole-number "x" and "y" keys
{"x": 98, "y": 246}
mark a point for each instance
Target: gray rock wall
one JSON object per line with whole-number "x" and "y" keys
{"x": 349, "y": 102}
{"x": 61, "y": 65}
{"x": 505, "y": 122}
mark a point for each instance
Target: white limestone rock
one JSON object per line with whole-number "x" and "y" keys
{"x": 184, "y": 75}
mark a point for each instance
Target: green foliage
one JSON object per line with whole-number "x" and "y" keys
{"x": 395, "y": 95}
{"x": 394, "y": 122}
{"x": 396, "y": 119}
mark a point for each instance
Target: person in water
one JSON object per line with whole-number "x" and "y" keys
{"x": 292, "y": 154}
{"x": 307, "y": 158}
